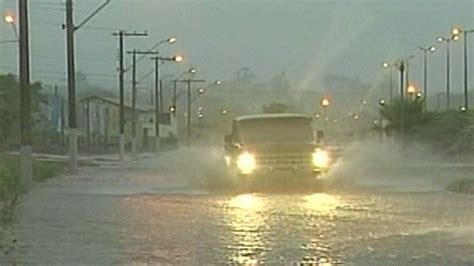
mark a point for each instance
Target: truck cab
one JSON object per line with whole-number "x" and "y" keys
{"x": 270, "y": 144}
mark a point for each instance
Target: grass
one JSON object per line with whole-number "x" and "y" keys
{"x": 10, "y": 190}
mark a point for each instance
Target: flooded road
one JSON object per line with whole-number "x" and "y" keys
{"x": 135, "y": 214}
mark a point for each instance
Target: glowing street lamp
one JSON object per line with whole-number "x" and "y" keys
{"x": 171, "y": 40}
{"x": 178, "y": 58}
{"x": 411, "y": 90}
{"x": 325, "y": 102}
{"x": 10, "y": 19}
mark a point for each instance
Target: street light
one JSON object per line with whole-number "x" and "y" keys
{"x": 425, "y": 51}
{"x": 159, "y": 93}
{"x": 411, "y": 90}
{"x": 448, "y": 72}
{"x": 455, "y": 33}
{"x": 325, "y": 102}
{"x": 10, "y": 19}
{"x": 203, "y": 90}
{"x": 390, "y": 66}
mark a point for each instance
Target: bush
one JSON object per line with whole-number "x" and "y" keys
{"x": 44, "y": 170}
{"x": 9, "y": 179}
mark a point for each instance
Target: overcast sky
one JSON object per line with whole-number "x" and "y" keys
{"x": 307, "y": 39}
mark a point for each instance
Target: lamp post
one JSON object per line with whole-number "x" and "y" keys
{"x": 201, "y": 91}
{"x": 325, "y": 102}
{"x": 158, "y": 90}
{"x": 457, "y": 32}
{"x": 390, "y": 66}
{"x": 448, "y": 40}
{"x": 10, "y": 19}
{"x": 425, "y": 51}
{"x": 401, "y": 68}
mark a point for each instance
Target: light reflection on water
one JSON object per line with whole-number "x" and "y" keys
{"x": 256, "y": 222}
{"x": 247, "y": 222}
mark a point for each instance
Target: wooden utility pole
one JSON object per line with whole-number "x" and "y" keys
{"x": 121, "y": 35}
{"x": 25, "y": 98}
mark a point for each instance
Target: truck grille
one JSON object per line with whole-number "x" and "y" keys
{"x": 285, "y": 160}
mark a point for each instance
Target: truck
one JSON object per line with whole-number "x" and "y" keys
{"x": 274, "y": 145}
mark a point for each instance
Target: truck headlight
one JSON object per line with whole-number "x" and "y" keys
{"x": 320, "y": 158}
{"x": 246, "y": 163}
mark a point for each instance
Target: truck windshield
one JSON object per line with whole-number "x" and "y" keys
{"x": 276, "y": 131}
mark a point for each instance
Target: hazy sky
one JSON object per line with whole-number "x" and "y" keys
{"x": 307, "y": 39}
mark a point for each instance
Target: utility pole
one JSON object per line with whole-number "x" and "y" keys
{"x": 175, "y": 87}
{"x": 159, "y": 94}
{"x": 71, "y": 77}
{"x": 71, "y": 81}
{"x": 189, "y": 121}
{"x": 26, "y": 158}
{"x": 134, "y": 54}
{"x": 121, "y": 34}
{"x": 134, "y": 103}
{"x": 157, "y": 103}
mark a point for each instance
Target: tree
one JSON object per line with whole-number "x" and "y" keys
{"x": 413, "y": 113}
{"x": 9, "y": 106}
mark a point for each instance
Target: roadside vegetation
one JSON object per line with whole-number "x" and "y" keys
{"x": 448, "y": 132}
{"x": 10, "y": 190}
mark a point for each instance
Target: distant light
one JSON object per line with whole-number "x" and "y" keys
{"x": 200, "y": 108}
{"x": 335, "y": 121}
{"x": 9, "y": 19}
{"x": 172, "y": 109}
{"x": 171, "y": 40}
{"x": 441, "y": 39}
{"x": 192, "y": 71}
{"x": 432, "y": 48}
{"x": 385, "y": 64}
{"x": 317, "y": 115}
{"x": 200, "y": 90}
{"x": 418, "y": 95}
{"x": 463, "y": 109}
{"x": 364, "y": 102}
{"x": 325, "y": 102}
{"x": 178, "y": 58}
{"x": 224, "y": 111}
{"x": 456, "y": 31}
{"x": 200, "y": 115}
{"x": 382, "y": 102}
{"x": 356, "y": 117}
{"x": 455, "y": 37}
{"x": 218, "y": 82}
{"x": 411, "y": 89}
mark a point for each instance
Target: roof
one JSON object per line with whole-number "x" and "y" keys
{"x": 271, "y": 116}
